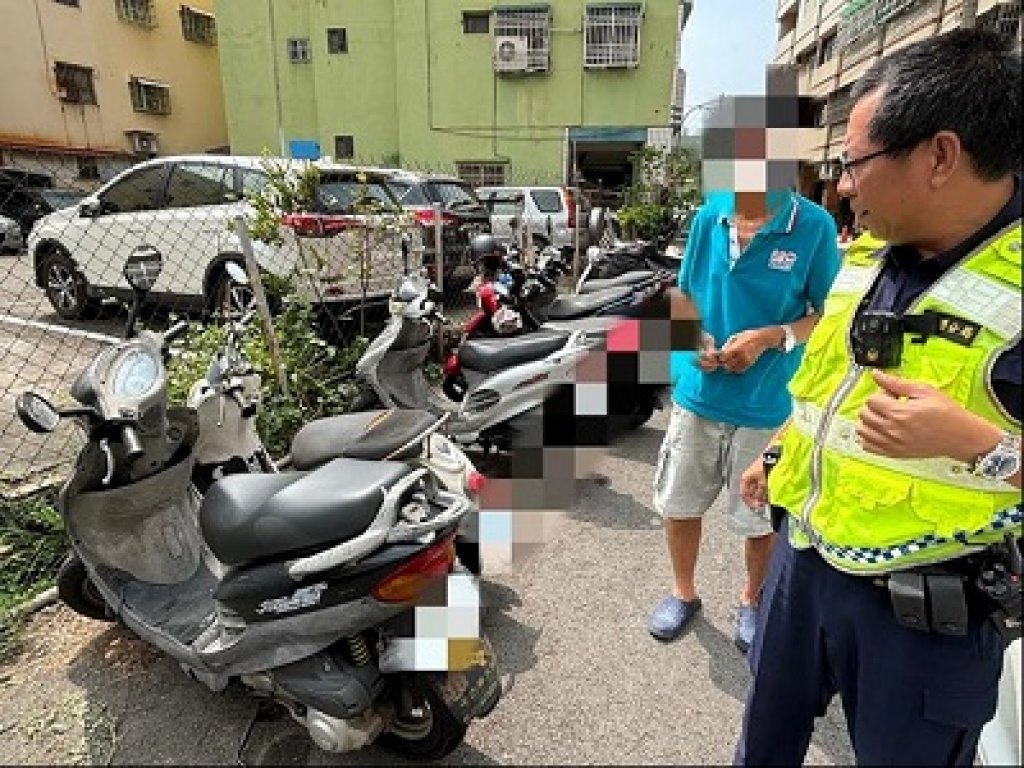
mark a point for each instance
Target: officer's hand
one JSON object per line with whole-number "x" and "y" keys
{"x": 754, "y": 486}
{"x": 742, "y": 349}
{"x": 910, "y": 420}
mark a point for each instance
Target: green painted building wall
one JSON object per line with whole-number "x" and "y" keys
{"x": 414, "y": 90}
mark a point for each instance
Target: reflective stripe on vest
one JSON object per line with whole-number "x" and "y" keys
{"x": 866, "y": 513}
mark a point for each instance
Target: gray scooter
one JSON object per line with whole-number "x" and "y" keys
{"x": 300, "y": 585}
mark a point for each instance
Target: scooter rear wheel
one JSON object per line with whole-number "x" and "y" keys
{"x": 425, "y": 728}
{"x": 77, "y": 591}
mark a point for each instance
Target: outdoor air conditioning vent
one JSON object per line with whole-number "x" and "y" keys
{"x": 143, "y": 143}
{"x": 511, "y": 54}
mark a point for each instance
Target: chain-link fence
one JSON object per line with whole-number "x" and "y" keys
{"x": 338, "y": 238}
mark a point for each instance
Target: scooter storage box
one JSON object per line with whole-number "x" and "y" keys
{"x": 147, "y": 528}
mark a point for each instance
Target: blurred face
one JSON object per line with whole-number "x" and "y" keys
{"x": 887, "y": 194}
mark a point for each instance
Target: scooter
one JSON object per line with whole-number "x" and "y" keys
{"x": 227, "y": 400}
{"x": 532, "y": 300}
{"x": 507, "y": 380}
{"x": 301, "y": 585}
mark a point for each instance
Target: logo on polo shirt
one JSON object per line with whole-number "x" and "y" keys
{"x": 783, "y": 260}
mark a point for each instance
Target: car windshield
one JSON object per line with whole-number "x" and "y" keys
{"x": 61, "y": 198}
{"x": 408, "y": 192}
{"x": 342, "y": 194}
{"x": 452, "y": 194}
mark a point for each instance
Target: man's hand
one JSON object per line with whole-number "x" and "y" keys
{"x": 742, "y": 349}
{"x": 910, "y": 420}
{"x": 754, "y": 485}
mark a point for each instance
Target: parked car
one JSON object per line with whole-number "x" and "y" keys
{"x": 549, "y": 213}
{"x": 11, "y": 238}
{"x": 463, "y": 217}
{"x": 26, "y": 196}
{"x": 186, "y": 207}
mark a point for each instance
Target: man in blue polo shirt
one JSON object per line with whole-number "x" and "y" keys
{"x": 759, "y": 261}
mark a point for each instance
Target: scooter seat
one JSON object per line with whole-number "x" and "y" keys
{"x": 372, "y": 435}
{"x": 247, "y": 517}
{"x": 627, "y": 279}
{"x": 486, "y": 355}
{"x": 571, "y": 307}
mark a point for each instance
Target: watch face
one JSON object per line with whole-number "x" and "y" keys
{"x": 1000, "y": 466}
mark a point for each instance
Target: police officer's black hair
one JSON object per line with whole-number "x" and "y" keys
{"x": 967, "y": 81}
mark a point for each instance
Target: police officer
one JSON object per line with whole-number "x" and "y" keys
{"x": 900, "y": 467}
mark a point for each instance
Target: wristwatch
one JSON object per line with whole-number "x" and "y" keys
{"x": 1002, "y": 462}
{"x": 788, "y": 343}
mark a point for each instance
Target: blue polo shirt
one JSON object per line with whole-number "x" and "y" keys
{"x": 788, "y": 266}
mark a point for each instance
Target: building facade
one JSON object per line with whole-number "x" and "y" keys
{"x": 90, "y": 86}
{"x": 538, "y": 92}
{"x": 831, "y": 43}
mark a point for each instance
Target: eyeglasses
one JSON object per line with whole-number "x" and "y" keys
{"x": 846, "y": 166}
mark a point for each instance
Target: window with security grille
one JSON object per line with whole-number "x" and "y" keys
{"x": 72, "y": 3}
{"x": 533, "y": 23}
{"x": 481, "y": 174}
{"x": 612, "y": 35}
{"x": 344, "y": 147}
{"x": 150, "y": 96}
{"x": 298, "y": 49}
{"x": 476, "y": 22}
{"x": 198, "y": 27}
{"x": 88, "y": 168}
{"x": 135, "y": 12}
{"x": 74, "y": 83}
{"x": 337, "y": 40}
{"x": 1004, "y": 18}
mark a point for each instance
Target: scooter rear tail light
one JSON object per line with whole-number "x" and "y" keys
{"x": 451, "y": 364}
{"x": 407, "y": 583}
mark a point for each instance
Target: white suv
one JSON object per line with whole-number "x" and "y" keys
{"x": 549, "y": 213}
{"x": 185, "y": 207}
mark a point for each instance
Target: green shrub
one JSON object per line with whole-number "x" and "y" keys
{"x": 32, "y": 545}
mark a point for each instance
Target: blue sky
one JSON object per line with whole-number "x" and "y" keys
{"x": 726, "y": 46}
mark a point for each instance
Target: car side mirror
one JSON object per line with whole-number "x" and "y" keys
{"x": 90, "y": 209}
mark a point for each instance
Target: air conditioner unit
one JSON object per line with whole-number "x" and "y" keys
{"x": 143, "y": 143}
{"x": 511, "y": 54}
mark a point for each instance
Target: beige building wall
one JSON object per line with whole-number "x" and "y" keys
{"x": 814, "y": 38}
{"x": 36, "y": 126}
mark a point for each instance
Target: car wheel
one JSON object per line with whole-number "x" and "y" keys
{"x": 66, "y": 288}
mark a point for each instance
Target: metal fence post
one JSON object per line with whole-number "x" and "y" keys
{"x": 256, "y": 283}
{"x": 580, "y": 224}
{"x": 438, "y": 247}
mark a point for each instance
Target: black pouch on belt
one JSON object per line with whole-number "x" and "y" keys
{"x": 929, "y": 599}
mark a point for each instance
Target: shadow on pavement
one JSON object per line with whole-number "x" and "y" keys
{"x": 598, "y": 503}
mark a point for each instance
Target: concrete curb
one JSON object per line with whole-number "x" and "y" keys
{"x": 40, "y": 601}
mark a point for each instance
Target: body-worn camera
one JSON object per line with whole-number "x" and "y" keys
{"x": 878, "y": 335}
{"x": 878, "y": 339}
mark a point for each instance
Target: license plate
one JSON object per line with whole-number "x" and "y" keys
{"x": 474, "y": 691}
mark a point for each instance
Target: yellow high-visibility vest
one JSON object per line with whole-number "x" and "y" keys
{"x": 869, "y": 514}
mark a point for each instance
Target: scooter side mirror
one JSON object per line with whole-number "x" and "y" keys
{"x": 36, "y": 412}
{"x": 236, "y": 272}
{"x": 142, "y": 268}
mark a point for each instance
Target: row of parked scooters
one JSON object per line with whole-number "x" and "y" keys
{"x": 300, "y": 578}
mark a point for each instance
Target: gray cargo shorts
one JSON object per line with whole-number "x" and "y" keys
{"x": 698, "y": 458}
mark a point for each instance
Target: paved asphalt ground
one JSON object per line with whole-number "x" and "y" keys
{"x": 586, "y": 682}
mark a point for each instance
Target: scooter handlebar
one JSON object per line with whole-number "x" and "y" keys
{"x": 175, "y": 332}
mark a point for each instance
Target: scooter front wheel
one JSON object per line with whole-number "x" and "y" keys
{"x": 76, "y": 589}
{"x": 424, "y": 728}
